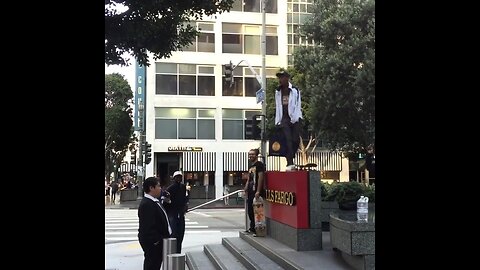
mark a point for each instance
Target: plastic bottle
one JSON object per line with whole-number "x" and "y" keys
{"x": 362, "y": 209}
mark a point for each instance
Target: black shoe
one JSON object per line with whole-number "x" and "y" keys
{"x": 251, "y": 231}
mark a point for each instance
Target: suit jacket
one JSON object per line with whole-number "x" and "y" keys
{"x": 178, "y": 199}
{"x": 153, "y": 224}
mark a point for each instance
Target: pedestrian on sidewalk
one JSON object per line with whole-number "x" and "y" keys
{"x": 114, "y": 186}
{"x": 177, "y": 208}
{"x": 254, "y": 186}
{"x": 153, "y": 225}
{"x": 226, "y": 190}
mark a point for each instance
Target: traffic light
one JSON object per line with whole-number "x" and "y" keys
{"x": 229, "y": 73}
{"x": 148, "y": 152}
{"x": 252, "y": 129}
{"x": 256, "y": 130}
{"x": 248, "y": 129}
{"x": 132, "y": 158}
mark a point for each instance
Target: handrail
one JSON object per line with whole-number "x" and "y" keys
{"x": 219, "y": 198}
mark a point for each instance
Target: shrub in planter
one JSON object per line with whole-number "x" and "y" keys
{"x": 370, "y": 193}
{"x": 328, "y": 205}
{"x": 325, "y": 190}
{"x": 346, "y": 194}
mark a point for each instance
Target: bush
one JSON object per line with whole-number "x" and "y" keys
{"x": 347, "y": 192}
{"x": 369, "y": 191}
{"x": 325, "y": 191}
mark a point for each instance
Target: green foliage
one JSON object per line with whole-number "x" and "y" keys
{"x": 339, "y": 73}
{"x": 326, "y": 190}
{"x": 118, "y": 120}
{"x": 157, "y": 26}
{"x": 370, "y": 193}
{"x": 348, "y": 191}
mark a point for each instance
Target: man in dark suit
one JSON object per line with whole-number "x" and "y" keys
{"x": 153, "y": 225}
{"x": 177, "y": 208}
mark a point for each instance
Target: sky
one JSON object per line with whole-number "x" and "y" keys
{"x": 127, "y": 72}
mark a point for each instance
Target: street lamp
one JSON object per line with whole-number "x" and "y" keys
{"x": 140, "y": 153}
{"x": 263, "y": 145}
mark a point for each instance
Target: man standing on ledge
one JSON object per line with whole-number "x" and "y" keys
{"x": 288, "y": 112}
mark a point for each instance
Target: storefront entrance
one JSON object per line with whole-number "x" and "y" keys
{"x": 167, "y": 164}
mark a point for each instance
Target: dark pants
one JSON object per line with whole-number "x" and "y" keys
{"x": 292, "y": 138}
{"x": 114, "y": 192}
{"x": 177, "y": 223}
{"x": 153, "y": 256}
{"x": 250, "y": 210}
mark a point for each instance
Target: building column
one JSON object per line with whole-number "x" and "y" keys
{"x": 219, "y": 175}
{"x": 345, "y": 173}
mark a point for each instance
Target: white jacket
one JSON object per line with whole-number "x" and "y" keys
{"x": 294, "y": 105}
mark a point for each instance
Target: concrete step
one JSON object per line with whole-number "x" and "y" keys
{"x": 198, "y": 260}
{"x": 291, "y": 259}
{"x": 283, "y": 261}
{"x": 221, "y": 258}
{"x": 248, "y": 255}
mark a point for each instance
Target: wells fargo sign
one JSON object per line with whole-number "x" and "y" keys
{"x": 287, "y": 198}
{"x": 281, "y": 197}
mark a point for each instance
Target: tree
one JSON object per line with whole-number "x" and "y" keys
{"x": 340, "y": 73}
{"x": 157, "y": 26}
{"x": 118, "y": 120}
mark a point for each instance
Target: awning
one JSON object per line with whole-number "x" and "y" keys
{"x": 198, "y": 161}
{"x": 235, "y": 161}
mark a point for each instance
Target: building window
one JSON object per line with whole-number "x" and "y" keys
{"x": 205, "y": 41}
{"x": 254, "y": 6}
{"x": 298, "y": 11}
{"x": 184, "y": 123}
{"x": 272, "y": 45}
{"x": 240, "y": 38}
{"x": 187, "y": 128}
{"x": 245, "y": 83}
{"x": 233, "y": 121}
{"x": 184, "y": 79}
{"x": 165, "y": 128}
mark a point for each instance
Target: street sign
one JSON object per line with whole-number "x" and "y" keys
{"x": 260, "y": 95}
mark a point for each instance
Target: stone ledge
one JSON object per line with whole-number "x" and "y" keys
{"x": 354, "y": 238}
{"x": 298, "y": 239}
{"x": 348, "y": 221}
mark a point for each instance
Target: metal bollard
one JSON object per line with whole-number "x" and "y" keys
{"x": 176, "y": 261}
{"x": 169, "y": 247}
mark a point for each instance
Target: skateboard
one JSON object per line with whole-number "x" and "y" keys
{"x": 259, "y": 214}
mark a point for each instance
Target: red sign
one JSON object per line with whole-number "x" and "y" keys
{"x": 281, "y": 187}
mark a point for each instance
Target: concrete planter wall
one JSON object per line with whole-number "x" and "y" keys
{"x": 128, "y": 195}
{"x": 355, "y": 239}
{"x": 328, "y": 207}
